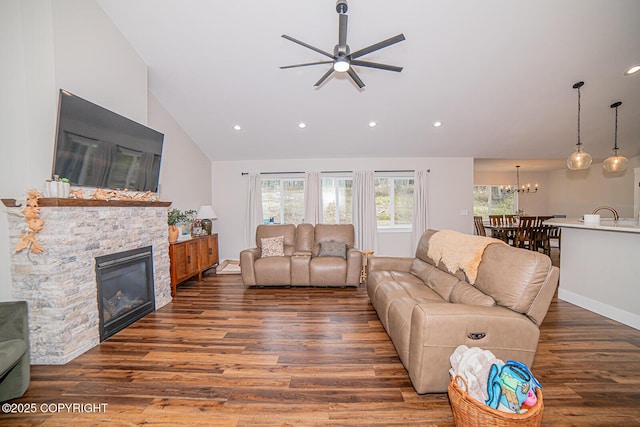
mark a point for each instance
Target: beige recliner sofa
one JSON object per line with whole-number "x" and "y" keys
{"x": 429, "y": 311}
{"x": 321, "y": 255}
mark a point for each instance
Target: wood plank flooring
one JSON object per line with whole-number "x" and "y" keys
{"x": 223, "y": 355}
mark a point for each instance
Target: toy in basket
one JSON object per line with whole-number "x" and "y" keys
{"x": 469, "y": 412}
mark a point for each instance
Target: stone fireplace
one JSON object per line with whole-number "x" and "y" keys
{"x": 60, "y": 285}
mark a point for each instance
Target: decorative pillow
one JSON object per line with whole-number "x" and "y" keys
{"x": 333, "y": 249}
{"x": 272, "y": 246}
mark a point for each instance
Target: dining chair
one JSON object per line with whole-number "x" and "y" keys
{"x": 480, "y": 230}
{"x": 524, "y": 233}
{"x": 541, "y": 235}
{"x": 497, "y": 221}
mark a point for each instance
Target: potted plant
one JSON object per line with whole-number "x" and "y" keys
{"x": 174, "y": 216}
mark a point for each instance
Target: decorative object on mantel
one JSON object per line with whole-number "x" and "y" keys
{"x": 125, "y": 194}
{"x": 57, "y": 187}
{"x": 615, "y": 163}
{"x": 31, "y": 213}
{"x": 518, "y": 189}
{"x": 206, "y": 214}
{"x": 579, "y": 159}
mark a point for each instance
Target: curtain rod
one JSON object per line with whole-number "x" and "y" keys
{"x": 291, "y": 173}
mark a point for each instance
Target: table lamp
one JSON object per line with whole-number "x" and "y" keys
{"x": 206, "y": 214}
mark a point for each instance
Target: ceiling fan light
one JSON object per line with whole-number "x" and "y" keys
{"x": 579, "y": 159}
{"x": 340, "y": 66}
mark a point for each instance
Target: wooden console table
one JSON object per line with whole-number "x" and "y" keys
{"x": 192, "y": 257}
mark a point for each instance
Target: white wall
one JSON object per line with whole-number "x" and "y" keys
{"x": 51, "y": 44}
{"x": 532, "y": 204}
{"x": 576, "y": 193}
{"x": 450, "y": 191}
{"x": 185, "y": 172}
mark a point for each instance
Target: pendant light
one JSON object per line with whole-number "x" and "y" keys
{"x": 615, "y": 163}
{"x": 579, "y": 159}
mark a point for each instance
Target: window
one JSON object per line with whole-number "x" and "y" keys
{"x": 394, "y": 202}
{"x": 336, "y": 200}
{"x": 492, "y": 200}
{"x": 283, "y": 200}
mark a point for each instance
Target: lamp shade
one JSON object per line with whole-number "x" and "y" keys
{"x": 206, "y": 212}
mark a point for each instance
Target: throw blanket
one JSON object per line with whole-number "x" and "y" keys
{"x": 459, "y": 251}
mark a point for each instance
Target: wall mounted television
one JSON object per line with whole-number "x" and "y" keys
{"x": 98, "y": 148}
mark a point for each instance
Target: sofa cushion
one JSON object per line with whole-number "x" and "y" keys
{"x": 274, "y": 230}
{"x": 333, "y": 232}
{"x": 464, "y": 293}
{"x": 272, "y": 246}
{"x": 442, "y": 283}
{"x": 513, "y": 277}
{"x": 331, "y": 248}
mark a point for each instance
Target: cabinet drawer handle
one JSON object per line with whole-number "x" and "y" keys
{"x": 210, "y": 251}
{"x": 188, "y": 259}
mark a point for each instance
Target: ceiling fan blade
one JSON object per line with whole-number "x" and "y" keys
{"x": 355, "y": 77}
{"x": 304, "y": 65}
{"x": 377, "y": 46}
{"x": 308, "y": 46}
{"x": 375, "y": 65}
{"x": 342, "y": 34}
{"x": 324, "y": 77}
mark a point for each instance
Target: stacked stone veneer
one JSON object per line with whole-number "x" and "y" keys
{"x": 60, "y": 284}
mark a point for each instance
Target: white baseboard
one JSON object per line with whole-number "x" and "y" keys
{"x": 606, "y": 310}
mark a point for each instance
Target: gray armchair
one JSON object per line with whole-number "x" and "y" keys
{"x": 14, "y": 350}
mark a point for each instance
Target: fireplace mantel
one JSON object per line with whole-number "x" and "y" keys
{"x": 69, "y": 202}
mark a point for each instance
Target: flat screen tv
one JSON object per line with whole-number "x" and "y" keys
{"x": 98, "y": 148}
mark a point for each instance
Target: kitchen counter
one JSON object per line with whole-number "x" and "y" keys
{"x": 599, "y": 268}
{"x": 629, "y": 225}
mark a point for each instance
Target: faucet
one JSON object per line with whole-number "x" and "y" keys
{"x": 610, "y": 209}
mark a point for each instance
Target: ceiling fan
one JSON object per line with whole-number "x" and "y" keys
{"x": 342, "y": 58}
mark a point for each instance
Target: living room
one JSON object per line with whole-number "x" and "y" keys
{"x": 74, "y": 45}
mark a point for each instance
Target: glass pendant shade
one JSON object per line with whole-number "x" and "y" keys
{"x": 615, "y": 163}
{"x": 579, "y": 159}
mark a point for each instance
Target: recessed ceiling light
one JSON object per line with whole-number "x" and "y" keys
{"x": 633, "y": 70}
{"x": 237, "y": 127}
{"x": 372, "y": 124}
{"x": 302, "y": 125}
{"x": 437, "y": 124}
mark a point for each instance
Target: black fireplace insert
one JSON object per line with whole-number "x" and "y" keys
{"x": 125, "y": 289}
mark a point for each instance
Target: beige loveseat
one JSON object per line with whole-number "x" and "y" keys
{"x": 428, "y": 311}
{"x": 306, "y": 255}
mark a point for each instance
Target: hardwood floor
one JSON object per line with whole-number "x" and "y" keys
{"x": 223, "y": 355}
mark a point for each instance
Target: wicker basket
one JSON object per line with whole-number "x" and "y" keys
{"x": 468, "y": 412}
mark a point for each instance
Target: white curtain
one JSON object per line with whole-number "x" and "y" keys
{"x": 364, "y": 210}
{"x": 254, "y": 210}
{"x": 420, "y": 205}
{"x": 312, "y": 198}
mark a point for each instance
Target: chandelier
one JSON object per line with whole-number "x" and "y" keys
{"x": 518, "y": 189}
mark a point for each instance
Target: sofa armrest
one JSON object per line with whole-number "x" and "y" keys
{"x": 247, "y": 258}
{"x": 354, "y": 267}
{"x": 389, "y": 263}
{"x": 13, "y": 321}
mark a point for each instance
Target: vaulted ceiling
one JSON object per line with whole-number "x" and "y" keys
{"x": 497, "y": 74}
